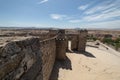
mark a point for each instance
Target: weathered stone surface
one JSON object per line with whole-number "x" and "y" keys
{"x": 10, "y": 49}
{"x": 10, "y": 65}
{"x": 19, "y": 57}
{"x": 27, "y": 59}
{"x": 34, "y": 71}
{"x": 48, "y": 49}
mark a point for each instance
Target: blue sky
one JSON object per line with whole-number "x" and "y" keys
{"x": 60, "y": 13}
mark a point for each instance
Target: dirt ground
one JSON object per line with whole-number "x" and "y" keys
{"x": 95, "y": 64}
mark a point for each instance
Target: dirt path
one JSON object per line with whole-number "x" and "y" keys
{"x": 95, "y": 64}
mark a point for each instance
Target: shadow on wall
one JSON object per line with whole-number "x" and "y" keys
{"x": 65, "y": 64}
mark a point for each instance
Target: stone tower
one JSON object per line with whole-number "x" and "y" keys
{"x": 61, "y": 45}
{"x": 82, "y": 40}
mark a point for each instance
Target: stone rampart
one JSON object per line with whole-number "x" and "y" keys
{"x": 28, "y": 59}
{"x": 48, "y": 49}
{"x": 33, "y": 58}
{"x": 20, "y": 60}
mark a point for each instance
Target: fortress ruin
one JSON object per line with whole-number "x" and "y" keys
{"x": 32, "y": 57}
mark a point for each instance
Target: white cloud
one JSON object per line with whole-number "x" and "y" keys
{"x": 102, "y": 16}
{"x": 104, "y": 11}
{"x": 58, "y": 16}
{"x": 43, "y": 1}
{"x": 20, "y": 24}
{"x": 106, "y": 15}
{"x": 92, "y": 17}
{"x": 75, "y": 21}
{"x": 108, "y": 24}
{"x": 99, "y": 8}
{"x": 103, "y": 6}
{"x": 105, "y": 24}
{"x": 83, "y": 7}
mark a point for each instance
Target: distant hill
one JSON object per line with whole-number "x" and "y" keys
{"x": 58, "y": 28}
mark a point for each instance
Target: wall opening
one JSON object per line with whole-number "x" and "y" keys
{"x": 69, "y": 45}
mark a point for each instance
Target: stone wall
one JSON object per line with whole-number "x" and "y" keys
{"x": 82, "y": 40}
{"x": 48, "y": 49}
{"x": 33, "y": 58}
{"x": 21, "y": 60}
{"x": 74, "y": 42}
{"x": 29, "y": 59}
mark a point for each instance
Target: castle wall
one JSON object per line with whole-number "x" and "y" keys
{"x": 82, "y": 40}
{"x": 74, "y": 42}
{"x": 20, "y": 60}
{"x": 48, "y": 49}
{"x": 33, "y": 58}
{"x": 28, "y": 59}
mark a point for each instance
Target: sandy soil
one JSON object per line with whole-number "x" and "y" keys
{"x": 95, "y": 64}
